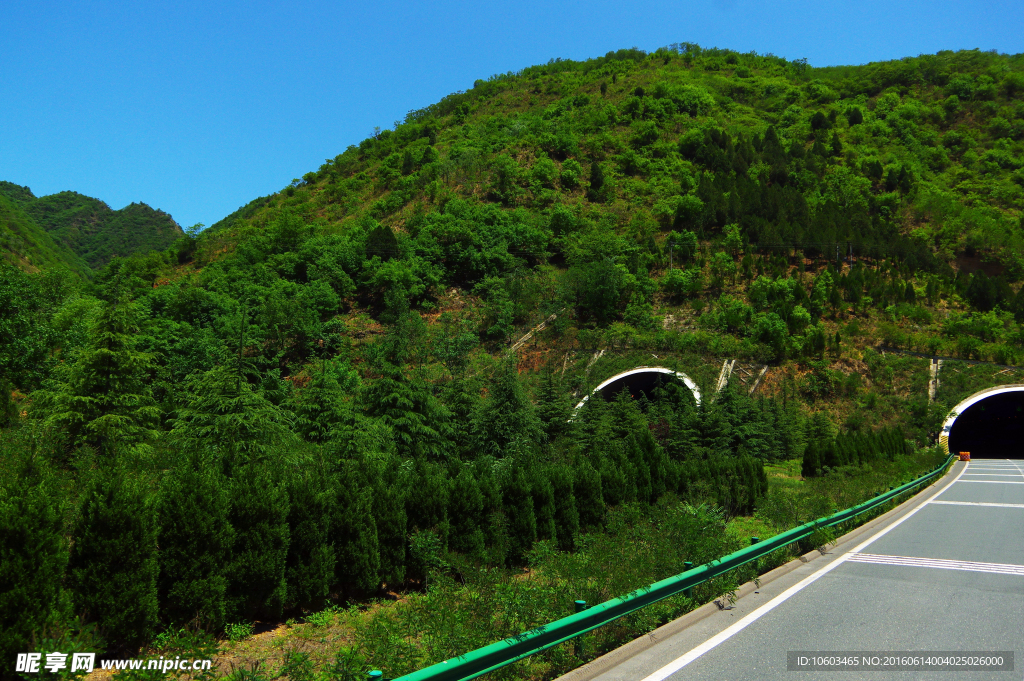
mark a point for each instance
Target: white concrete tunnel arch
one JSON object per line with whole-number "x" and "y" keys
{"x": 687, "y": 381}
{"x": 958, "y": 410}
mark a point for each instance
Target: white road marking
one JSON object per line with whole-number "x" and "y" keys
{"x": 997, "y": 475}
{"x": 941, "y": 563}
{"x": 994, "y": 468}
{"x": 997, "y": 482}
{"x": 727, "y": 633}
{"x": 977, "y": 503}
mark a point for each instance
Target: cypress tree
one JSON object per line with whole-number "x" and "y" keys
{"x": 522, "y": 522}
{"x": 543, "y": 502}
{"x": 357, "y": 550}
{"x": 113, "y": 565}
{"x": 256, "y": 573}
{"x": 641, "y": 472}
{"x": 836, "y": 147}
{"x": 391, "y": 521}
{"x": 33, "y": 556}
{"x": 467, "y": 513}
{"x": 567, "y": 517}
{"x": 811, "y": 462}
{"x": 195, "y": 543}
{"x": 589, "y": 496}
{"x": 595, "y": 192}
{"x": 427, "y": 495}
{"x": 309, "y": 567}
{"x": 7, "y": 407}
{"x": 614, "y": 484}
{"x": 496, "y": 529}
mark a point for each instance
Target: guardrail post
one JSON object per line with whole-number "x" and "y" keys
{"x": 754, "y": 540}
{"x": 580, "y": 607}
{"x": 688, "y": 592}
{"x": 375, "y": 675}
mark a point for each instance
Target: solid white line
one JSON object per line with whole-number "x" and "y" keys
{"x": 977, "y": 503}
{"x": 998, "y": 475}
{"x": 940, "y": 563}
{"x": 727, "y": 633}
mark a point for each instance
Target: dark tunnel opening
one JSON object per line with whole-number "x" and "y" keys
{"x": 991, "y": 428}
{"x": 644, "y": 383}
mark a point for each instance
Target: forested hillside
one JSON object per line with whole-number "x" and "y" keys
{"x": 27, "y": 245}
{"x": 315, "y": 401}
{"x": 90, "y": 229}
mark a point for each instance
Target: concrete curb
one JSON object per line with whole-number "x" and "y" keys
{"x": 596, "y": 667}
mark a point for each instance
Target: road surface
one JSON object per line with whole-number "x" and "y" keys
{"x": 944, "y": 572}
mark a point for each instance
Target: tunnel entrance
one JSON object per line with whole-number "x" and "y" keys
{"x": 989, "y": 424}
{"x": 642, "y": 380}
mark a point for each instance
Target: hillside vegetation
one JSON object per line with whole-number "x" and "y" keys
{"x": 315, "y": 400}
{"x": 90, "y": 229}
{"x": 25, "y": 244}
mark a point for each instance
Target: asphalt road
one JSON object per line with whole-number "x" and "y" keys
{"x": 944, "y": 572}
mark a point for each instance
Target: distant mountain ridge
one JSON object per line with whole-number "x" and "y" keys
{"x": 25, "y": 244}
{"x": 89, "y": 229}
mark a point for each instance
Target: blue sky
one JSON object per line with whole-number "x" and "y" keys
{"x": 198, "y": 107}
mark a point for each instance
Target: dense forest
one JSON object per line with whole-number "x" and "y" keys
{"x": 85, "y": 227}
{"x": 315, "y": 401}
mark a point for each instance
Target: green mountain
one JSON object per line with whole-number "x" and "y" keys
{"x": 25, "y": 244}
{"x": 93, "y": 231}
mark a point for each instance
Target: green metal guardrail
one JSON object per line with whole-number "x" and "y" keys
{"x": 483, "y": 660}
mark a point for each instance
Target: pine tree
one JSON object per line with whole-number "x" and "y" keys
{"x": 407, "y": 405}
{"x": 104, "y": 398}
{"x": 321, "y": 410}
{"x": 506, "y": 422}
{"x": 196, "y": 538}
{"x": 309, "y": 571}
{"x": 33, "y": 555}
{"x": 552, "y": 405}
{"x": 113, "y": 567}
{"x": 225, "y": 413}
{"x": 259, "y": 516}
